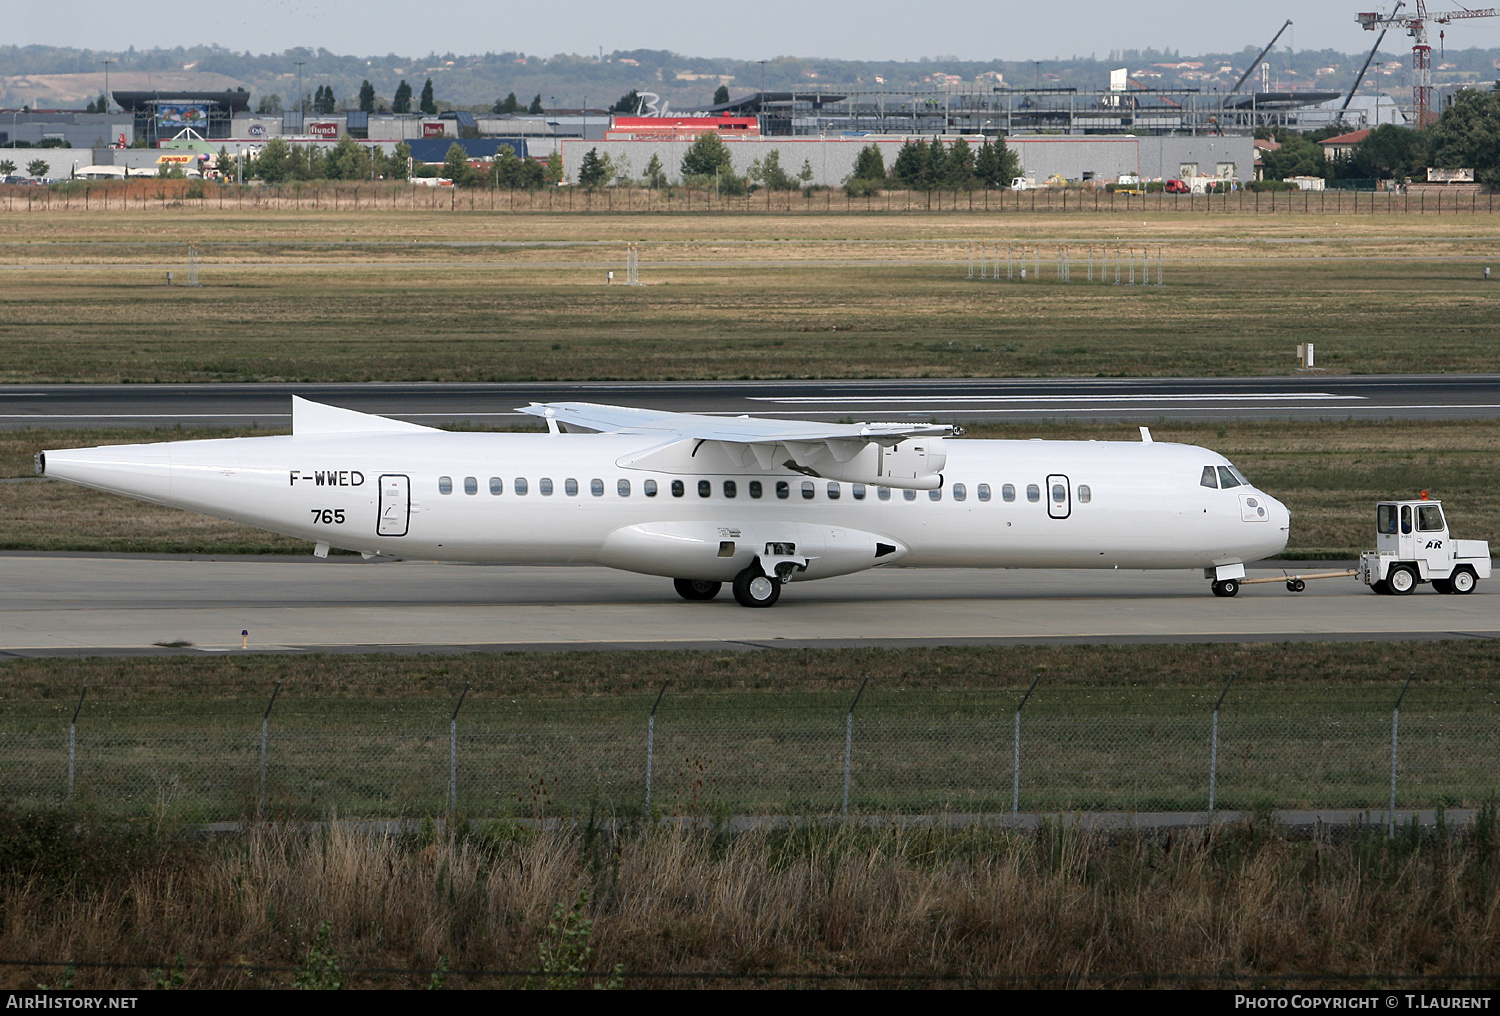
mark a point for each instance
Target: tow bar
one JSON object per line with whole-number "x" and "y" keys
{"x": 1297, "y": 583}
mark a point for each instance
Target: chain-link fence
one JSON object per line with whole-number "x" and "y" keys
{"x": 1058, "y": 748}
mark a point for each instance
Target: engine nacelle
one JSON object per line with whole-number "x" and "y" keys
{"x": 914, "y": 464}
{"x": 714, "y": 552}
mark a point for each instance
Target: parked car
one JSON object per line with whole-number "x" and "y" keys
{"x": 1177, "y": 187}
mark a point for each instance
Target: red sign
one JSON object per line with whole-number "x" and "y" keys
{"x": 433, "y": 130}
{"x": 323, "y": 130}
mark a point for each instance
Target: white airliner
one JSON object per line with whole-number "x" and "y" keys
{"x": 706, "y": 500}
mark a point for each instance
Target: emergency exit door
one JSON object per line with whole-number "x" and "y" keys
{"x": 395, "y": 505}
{"x": 1059, "y": 496}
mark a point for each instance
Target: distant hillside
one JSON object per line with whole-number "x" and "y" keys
{"x": 49, "y": 76}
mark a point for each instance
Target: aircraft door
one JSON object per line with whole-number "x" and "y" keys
{"x": 1059, "y": 496}
{"x": 395, "y": 505}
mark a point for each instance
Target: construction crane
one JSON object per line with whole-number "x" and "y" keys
{"x": 1256, "y": 62}
{"x": 1360, "y": 77}
{"x": 1415, "y": 23}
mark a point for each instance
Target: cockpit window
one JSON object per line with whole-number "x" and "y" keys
{"x": 1210, "y": 477}
{"x": 1429, "y": 518}
{"x": 1227, "y": 478}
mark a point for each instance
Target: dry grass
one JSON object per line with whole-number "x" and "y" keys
{"x": 1053, "y": 908}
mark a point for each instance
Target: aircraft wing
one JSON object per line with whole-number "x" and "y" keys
{"x": 589, "y": 416}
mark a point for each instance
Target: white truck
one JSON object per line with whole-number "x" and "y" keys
{"x": 1412, "y": 546}
{"x": 1023, "y": 183}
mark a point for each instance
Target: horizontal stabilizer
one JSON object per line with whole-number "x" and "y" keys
{"x": 316, "y": 418}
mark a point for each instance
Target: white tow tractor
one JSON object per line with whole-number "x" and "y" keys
{"x": 1412, "y": 545}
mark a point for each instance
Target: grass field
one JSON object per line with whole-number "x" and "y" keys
{"x": 1329, "y": 474}
{"x": 416, "y": 296}
{"x": 1108, "y": 727}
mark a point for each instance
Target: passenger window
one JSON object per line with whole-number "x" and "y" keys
{"x": 1227, "y": 478}
{"x": 1210, "y": 478}
{"x": 858, "y": 490}
{"x": 833, "y": 492}
{"x": 471, "y": 485}
{"x": 1033, "y": 493}
{"x": 544, "y": 486}
{"x": 596, "y": 487}
{"x": 1008, "y": 492}
{"x": 705, "y": 488}
{"x": 756, "y": 489}
{"x": 678, "y": 489}
{"x": 496, "y": 485}
{"x": 445, "y": 484}
{"x": 519, "y": 486}
{"x": 649, "y": 488}
{"x": 1085, "y": 494}
{"x": 730, "y": 489}
{"x": 960, "y": 492}
{"x": 984, "y": 492}
{"x": 909, "y": 495}
{"x": 935, "y": 495}
{"x": 808, "y": 490}
{"x": 884, "y": 493}
{"x": 1059, "y": 493}
{"x": 623, "y": 488}
{"x": 570, "y": 487}
{"x": 783, "y": 489}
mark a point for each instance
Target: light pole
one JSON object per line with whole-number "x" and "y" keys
{"x": 106, "y": 64}
{"x": 301, "y": 96}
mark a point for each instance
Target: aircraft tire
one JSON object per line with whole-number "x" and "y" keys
{"x": 1295, "y": 585}
{"x": 1227, "y": 587}
{"x": 1401, "y": 579}
{"x": 1463, "y": 581}
{"x": 696, "y": 589}
{"x": 754, "y": 588}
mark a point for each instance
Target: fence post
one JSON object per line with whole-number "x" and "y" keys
{"x": 1015, "y": 767}
{"x": 651, "y": 746}
{"x": 260, "y": 797}
{"x": 453, "y": 757}
{"x": 1213, "y": 750}
{"x": 1395, "y": 718}
{"x": 849, "y": 741}
{"x": 73, "y": 739}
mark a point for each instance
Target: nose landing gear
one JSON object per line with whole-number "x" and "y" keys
{"x": 754, "y": 588}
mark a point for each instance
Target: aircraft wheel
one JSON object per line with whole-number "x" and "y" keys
{"x": 696, "y": 589}
{"x": 1463, "y": 581}
{"x": 1295, "y": 585}
{"x": 1228, "y": 587}
{"x": 1401, "y": 579}
{"x": 754, "y": 588}
{"x": 1443, "y": 585}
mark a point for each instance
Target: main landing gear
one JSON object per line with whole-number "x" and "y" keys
{"x": 696, "y": 589}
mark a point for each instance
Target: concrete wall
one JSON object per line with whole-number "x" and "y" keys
{"x": 81, "y": 130}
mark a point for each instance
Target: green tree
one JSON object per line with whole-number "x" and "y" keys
{"x": 325, "y": 103}
{"x": 511, "y": 171}
{"x": 958, "y": 167}
{"x": 627, "y": 103}
{"x": 1389, "y": 151}
{"x": 367, "y": 96}
{"x": 707, "y": 156}
{"x": 910, "y": 168}
{"x": 269, "y": 104}
{"x": 401, "y": 102}
{"x": 655, "y": 175}
{"x": 400, "y": 162}
{"x": 1297, "y": 156}
{"x": 870, "y": 164}
{"x": 1468, "y": 135}
{"x": 224, "y": 164}
{"x": 509, "y": 104}
{"x": 996, "y": 165}
{"x": 774, "y": 176}
{"x": 274, "y": 164}
{"x": 595, "y": 170}
{"x": 456, "y": 166}
{"x": 721, "y": 95}
{"x": 937, "y": 163}
{"x": 535, "y": 108}
{"x": 428, "y": 102}
{"x": 553, "y": 173}
{"x": 7, "y": 167}
{"x": 38, "y": 167}
{"x": 348, "y": 161}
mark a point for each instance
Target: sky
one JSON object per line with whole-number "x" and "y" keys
{"x": 869, "y": 30}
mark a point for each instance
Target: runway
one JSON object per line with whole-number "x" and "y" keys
{"x": 78, "y": 604}
{"x": 1304, "y": 396}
